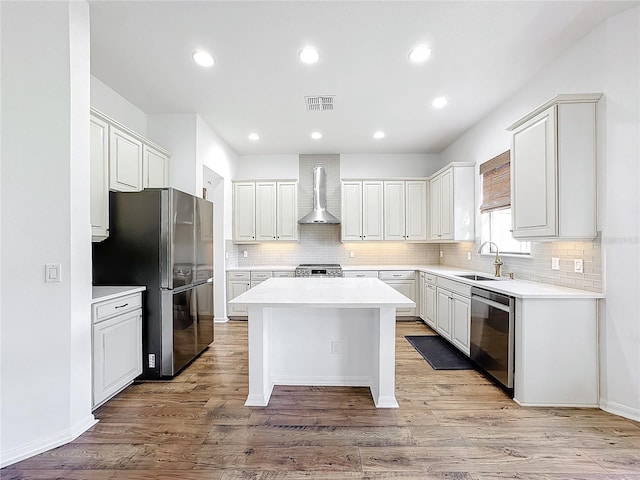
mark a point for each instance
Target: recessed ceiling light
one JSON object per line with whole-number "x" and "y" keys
{"x": 309, "y": 55}
{"x": 378, "y": 135}
{"x": 202, "y": 58}
{"x": 419, "y": 53}
{"x": 439, "y": 102}
{"x": 254, "y": 137}
{"x": 316, "y": 135}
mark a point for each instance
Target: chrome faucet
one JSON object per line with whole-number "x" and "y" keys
{"x": 497, "y": 262}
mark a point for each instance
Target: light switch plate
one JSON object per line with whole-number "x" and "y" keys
{"x": 468, "y": 255}
{"x": 52, "y": 273}
{"x": 577, "y": 265}
{"x": 555, "y": 263}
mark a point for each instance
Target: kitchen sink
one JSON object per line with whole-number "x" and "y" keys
{"x": 471, "y": 276}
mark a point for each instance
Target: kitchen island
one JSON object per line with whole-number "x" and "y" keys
{"x": 322, "y": 331}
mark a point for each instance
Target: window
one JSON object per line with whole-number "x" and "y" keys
{"x": 496, "y": 206}
{"x": 496, "y": 227}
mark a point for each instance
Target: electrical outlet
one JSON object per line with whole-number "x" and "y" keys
{"x": 577, "y": 265}
{"x": 245, "y": 254}
{"x": 468, "y": 255}
{"x": 152, "y": 360}
{"x": 352, "y": 254}
{"x": 555, "y": 263}
{"x": 441, "y": 254}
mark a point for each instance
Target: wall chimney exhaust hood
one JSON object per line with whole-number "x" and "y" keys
{"x": 319, "y": 213}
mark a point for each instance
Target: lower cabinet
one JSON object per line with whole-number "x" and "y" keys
{"x": 116, "y": 344}
{"x": 450, "y": 304}
{"x": 430, "y": 304}
{"x": 460, "y": 320}
{"x": 443, "y": 313}
{"x": 403, "y": 281}
{"x": 237, "y": 283}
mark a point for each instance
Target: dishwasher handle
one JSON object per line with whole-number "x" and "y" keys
{"x": 499, "y": 306}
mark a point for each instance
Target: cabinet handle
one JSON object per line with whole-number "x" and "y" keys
{"x": 122, "y": 306}
{"x": 397, "y": 275}
{"x": 359, "y": 275}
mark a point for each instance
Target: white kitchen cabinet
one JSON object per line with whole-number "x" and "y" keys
{"x": 553, "y": 170}
{"x": 155, "y": 167}
{"x": 460, "y": 322}
{"x": 125, "y": 161}
{"x": 452, "y": 200}
{"x": 362, "y": 210}
{"x": 265, "y": 208}
{"x": 405, "y": 210}
{"x": 420, "y": 296}
{"x": 453, "y": 312}
{"x": 265, "y": 211}
{"x": 430, "y": 300}
{"x": 116, "y": 345}
{"x": 287, "y": 211}
{"x": 99, "y": 183}
{"x": 244, "y": 212}
{"x": 237, "y": 283}
{"x": 404, "y": 281}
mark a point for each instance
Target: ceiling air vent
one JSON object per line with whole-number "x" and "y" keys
{"x": 319, "y": 103}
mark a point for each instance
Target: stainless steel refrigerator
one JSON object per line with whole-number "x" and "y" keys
{"x": 163, "y": 239}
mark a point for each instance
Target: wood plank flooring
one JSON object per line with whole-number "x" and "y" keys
{"x": 450, "y": 424}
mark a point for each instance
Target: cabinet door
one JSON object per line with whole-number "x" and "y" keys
{"x": 287, "y": 211}
{"x": 416, "y": 210}
{"x": 372, "y": 210}
{"x": 244, "y": 213}
{"x": 446, "y": 205}
{"x": 155, "y": 168}
{"x": 117, "y": 354}
{"x": 265, "y": 211}
{"x": 235, "y": 288}
{"x": 99, "y": 183}
{"x": 125, "y": 161}
{"x": 394, "y": 210}
{"x": 460, "y": 320}
{"x": 351, "y": 220}
{"x": 421, "y": 284}
{"x": 408, "y": 289}
{"x": 436, "y": 188}
{"x": 534, "y": 177}
{"x": 443, "y": 313}
{"x": 430, "y": 300}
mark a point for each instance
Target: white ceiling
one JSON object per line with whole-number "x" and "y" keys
{"x": 483, "y": 52}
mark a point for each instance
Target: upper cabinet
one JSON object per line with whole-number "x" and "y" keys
{"x": 265, "y": 211}
{"x": 99, "y": 183}
{"x": 452, "y": 203}
{"x": 362, "y": 210}
{"x": 405, "y": 210}
{"x": 123, "y": 161}
{"x": 553, "y": 170}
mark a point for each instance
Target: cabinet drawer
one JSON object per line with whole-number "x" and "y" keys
{"x": 117, "y": 306}
{"x": 453, "y": 286}
{"x": 284, "y": 274}
{"x": 204, "y": 274}
{"x": 260, "y": 275}
{"x": 430, "y": 277}
{"x": 360, "y": 274}
{"x": 397, "y": 275}
{"x": 239, "y": 275}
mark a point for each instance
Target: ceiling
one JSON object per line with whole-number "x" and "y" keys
{"x": 482, "y": 53}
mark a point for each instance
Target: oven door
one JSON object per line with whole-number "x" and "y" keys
{"x": 492, "y": 334}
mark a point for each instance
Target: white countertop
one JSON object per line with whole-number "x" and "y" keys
{"x": 264, "y": 268}
{"x": 100, "y": 294}
{"x": 515, "y": 288}
{"x": 323, "y": 292}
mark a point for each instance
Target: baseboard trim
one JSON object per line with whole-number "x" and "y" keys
{"x": 50, "y": 442}
{"x": 620, "y": 410}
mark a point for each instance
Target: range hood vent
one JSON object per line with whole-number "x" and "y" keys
{"x": 319, "y": 103}
{"x": 319, "y": 213}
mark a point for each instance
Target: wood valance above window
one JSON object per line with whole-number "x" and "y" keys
{"x": 496, "y": 182}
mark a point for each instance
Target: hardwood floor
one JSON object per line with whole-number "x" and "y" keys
{"x": 450, "y": 424}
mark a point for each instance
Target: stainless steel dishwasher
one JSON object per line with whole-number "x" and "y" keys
{"x": 492, "y": 334}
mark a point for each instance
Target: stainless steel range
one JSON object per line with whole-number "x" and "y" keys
{"x": 319, "y": 270}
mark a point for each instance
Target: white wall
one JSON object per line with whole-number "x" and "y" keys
{"x": 607, "y": 60}
{"x": 389, "y": 165}
{"x": 45, "y": 352}
{"x": 117, "y": 107}
{"x": 262, "y": 167}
